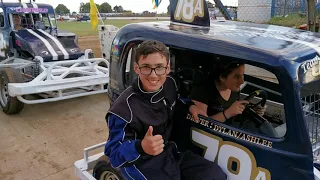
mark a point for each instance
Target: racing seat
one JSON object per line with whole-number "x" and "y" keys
{"x": 281, "y": 130}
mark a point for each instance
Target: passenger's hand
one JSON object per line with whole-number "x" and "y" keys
{"x": 152, "y": 145}
{"x": 195, "y": 111}
{"x": 236, "y": 108}
{"x": 260, "y": 110}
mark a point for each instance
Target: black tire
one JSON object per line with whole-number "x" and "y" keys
{"x": 104, "y": 171}
{"x": 10, "y": 105}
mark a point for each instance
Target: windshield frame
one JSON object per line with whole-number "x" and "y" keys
{"x": 51, "y": 18}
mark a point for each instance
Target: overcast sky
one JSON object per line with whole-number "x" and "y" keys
{"x": 133, "y": 5}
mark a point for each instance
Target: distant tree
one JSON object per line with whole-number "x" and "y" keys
{"x": 120, "y": 9}
{"x": 105, "y": 8}
{"x": 85, "y": 7}
{"x": 145, "y": 12}
{"x": 62, "y": 9}
{"x": 168, "y": 9}
{"x": 116, "y": 8}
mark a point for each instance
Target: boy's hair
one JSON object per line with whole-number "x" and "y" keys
{"x": 149, "y": 47}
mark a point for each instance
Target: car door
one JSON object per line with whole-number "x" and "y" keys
{"x": 244, "y": 154}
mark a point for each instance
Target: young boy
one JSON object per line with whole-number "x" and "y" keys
{"x": 140, "y": 124}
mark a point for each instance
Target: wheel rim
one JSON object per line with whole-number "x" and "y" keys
{"x": 108, "y": 175}
{"x": 4, "y": 94}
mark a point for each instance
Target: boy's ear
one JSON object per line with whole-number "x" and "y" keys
{"x": 168, "y": 69}
{"x": 136, "y": 68}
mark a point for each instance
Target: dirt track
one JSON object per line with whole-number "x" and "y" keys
{"x": 91, "y": 42}
{"x": 44, "y": 140}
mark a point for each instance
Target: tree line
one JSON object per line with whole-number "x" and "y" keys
{"x": 85, "y": 8}
{"x": 103, "y": 8}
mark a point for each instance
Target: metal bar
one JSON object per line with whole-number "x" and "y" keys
{"x": 263, "y": 88}
{"x": 311, "y": 15}
{"x": 273, "y": 5}
{"x": 6, "y": 60}
{"x": 13, "y": 65}
{"x": 317, "y": 126}
{"x": 38, "y": 101}
{"x": 49, "y": 70}
{"x": 223, "y": 9}
{"x": 19, "y": 89}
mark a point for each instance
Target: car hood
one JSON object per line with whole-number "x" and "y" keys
{"x": 48, "y": 45}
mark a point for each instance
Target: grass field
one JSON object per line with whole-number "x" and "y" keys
{"x": 84, "y": 28}
{"x": 292, "y": 20}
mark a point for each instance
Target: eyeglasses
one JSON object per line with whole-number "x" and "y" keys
{"x": 160, "y": 70}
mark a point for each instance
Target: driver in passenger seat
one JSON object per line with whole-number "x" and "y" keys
{"x": 218, "y": 94}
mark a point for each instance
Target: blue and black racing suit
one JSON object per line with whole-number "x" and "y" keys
{"x": 129, "y": 119}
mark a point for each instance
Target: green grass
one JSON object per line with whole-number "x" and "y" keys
{"x": 84, "y": 28}
{"x": 292, "y": 20}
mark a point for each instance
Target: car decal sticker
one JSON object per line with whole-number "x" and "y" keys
{"x": 230, "y": 132}
{"x": 237, "y": 161}
{"x": 57, "y": 42}
{"x": 47, "y": 44}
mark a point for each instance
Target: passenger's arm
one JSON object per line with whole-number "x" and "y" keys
{"x": 122, "y": 147}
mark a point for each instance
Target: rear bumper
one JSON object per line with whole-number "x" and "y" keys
{"x": 83, "y": 166}
{"x": 20, "y": 89}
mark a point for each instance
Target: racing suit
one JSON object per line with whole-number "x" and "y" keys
{"x": 129, "y": 119}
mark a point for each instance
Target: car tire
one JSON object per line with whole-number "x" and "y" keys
{"x": 104, "y": 171}
{"x": 10, "y": 105}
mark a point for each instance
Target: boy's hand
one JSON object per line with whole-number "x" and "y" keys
{"x": 152, "y": 145}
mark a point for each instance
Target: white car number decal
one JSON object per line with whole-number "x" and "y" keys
{"x": 235, "y": 160}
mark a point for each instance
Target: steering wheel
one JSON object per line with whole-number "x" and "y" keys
{"x": 260, "y": 122}
{"x": 262, "y": 102}
{"x": 251, "y": 106}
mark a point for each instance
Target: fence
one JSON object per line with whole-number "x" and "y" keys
{"x": 286, "y": 7}
{"x": 291, "y": 13}
{"x": 262, "y": 11}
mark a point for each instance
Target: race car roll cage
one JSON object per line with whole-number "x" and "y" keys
{"x": 56, "y": 80}
{"x": 53, "y": 78}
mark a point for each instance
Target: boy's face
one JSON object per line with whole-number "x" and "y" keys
{"x": 152, "y": 82}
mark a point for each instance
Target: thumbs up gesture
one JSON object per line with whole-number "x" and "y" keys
{"x": 152, "y": 145}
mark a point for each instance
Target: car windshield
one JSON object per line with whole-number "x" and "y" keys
{"x": 33, "y": 20}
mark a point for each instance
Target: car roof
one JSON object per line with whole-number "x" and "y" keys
{"x": 269, "y": 45}
{"x": 281, "y": 42}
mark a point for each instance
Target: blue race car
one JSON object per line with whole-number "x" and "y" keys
{"x": 282, "y": 72}
{"x": 37, "y": 58}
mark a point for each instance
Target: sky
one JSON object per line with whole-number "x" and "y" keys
{"x": 133, "y": 5}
